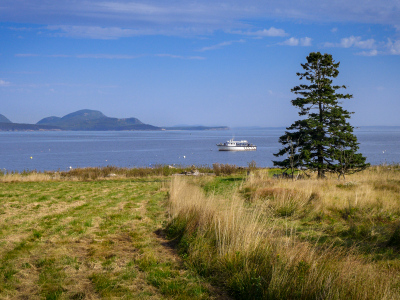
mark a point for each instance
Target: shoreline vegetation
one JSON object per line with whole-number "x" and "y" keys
{"x": 233, "y": 233}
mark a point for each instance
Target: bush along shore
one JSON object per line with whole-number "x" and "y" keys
{"x": 236, "y": 233}
{"x": 95, "y": 173}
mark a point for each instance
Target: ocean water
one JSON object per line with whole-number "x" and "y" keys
{"x": 61, "y": 150}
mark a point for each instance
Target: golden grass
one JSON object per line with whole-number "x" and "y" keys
{"x": 373, "y": 189}
{"x": 33, "y": 176}
{"x": 252, "y": 246}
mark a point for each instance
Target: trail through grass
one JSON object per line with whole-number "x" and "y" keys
{"x": 90, "y": 240}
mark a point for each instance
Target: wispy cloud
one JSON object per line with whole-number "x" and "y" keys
{"x": 353, "y": 41}
{"x": 97, "y": 32}
{"x": 201, "y": 16}
{"x": 26, "y": 55}
{"x": 110, "y": 56}
{"x": 304, "y": 42}
{"x": 88, "y": 32}
{"x": 113, "y": 33}
{"x": 262, "y": 33}
{"x": 371, "y": 46}
{"x": 181, "y": 57}
{"x": 4, "y": 83}
{"x": 220, "y": 45}
{"x": 21, "y": 28}
{"x": 373, "y": 52}
{"x": 393, "y": 47}
{"x": 94, "y": 56}
{"x": 107, "y": 56}
{"x": 356, "y": 41}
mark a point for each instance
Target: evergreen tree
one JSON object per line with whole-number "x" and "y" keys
{"x": 323, "y": 139}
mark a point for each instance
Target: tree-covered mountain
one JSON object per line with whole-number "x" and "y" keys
{"x": 87, "y": 119}
{"x": 3, "y": 119}
{"x": 7, "y": 125}
{"x": 91, "y": 120}
{"x": 27, "y": 127}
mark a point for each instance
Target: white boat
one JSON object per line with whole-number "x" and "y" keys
{"x": 232, "y": 145}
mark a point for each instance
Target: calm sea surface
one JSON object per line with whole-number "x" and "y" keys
{"x": 60, "y": 150}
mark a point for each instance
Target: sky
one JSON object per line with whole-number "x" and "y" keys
{"x": 204, "y": 62}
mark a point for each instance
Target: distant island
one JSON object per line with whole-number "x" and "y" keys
{"x": 3, "y": 119}
{"x": 197, "y": 128}
{"x": 91, "y": 120}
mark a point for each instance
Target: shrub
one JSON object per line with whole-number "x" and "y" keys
{"x": 226, "y": 169}
{"x": 217, "y": 169}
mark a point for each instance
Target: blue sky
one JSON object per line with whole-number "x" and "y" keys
{"x": 194, "y": 62}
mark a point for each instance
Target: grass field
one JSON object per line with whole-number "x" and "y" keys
{"x": 267, "y": 238}
{"x": 89, "y": 240}
{"x": 89, "y": 235}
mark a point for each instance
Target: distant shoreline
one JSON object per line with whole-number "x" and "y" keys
{"x": 93, "y": 120}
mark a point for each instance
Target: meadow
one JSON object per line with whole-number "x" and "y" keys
{"x": 104, "y": 233}
{"x": 64, "y": 237}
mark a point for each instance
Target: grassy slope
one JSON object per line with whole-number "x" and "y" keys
{"x": 89, "y": 240}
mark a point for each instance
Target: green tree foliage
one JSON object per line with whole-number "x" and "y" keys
{"x": 322, "y": 140}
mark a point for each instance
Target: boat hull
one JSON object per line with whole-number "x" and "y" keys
{"x": 237, "y": 148}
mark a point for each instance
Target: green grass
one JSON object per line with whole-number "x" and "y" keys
{"x": 223, "y": 185}
{"x": 90, "y": 239}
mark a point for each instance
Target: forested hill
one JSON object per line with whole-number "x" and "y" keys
{"x": 87, "y": 119}
{"x": 91, "y": 120}
{"x": 26, "y": 127}
{"x": 3, "y": 119}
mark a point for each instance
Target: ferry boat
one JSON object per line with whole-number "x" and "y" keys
{"x": 232, "y": 145}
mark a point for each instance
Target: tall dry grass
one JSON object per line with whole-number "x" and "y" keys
{"x": 29, "y": 177}
{"x": 375, "y": 191}
{"x": 243, "y": 247}
{"x": 96, "y": 173}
